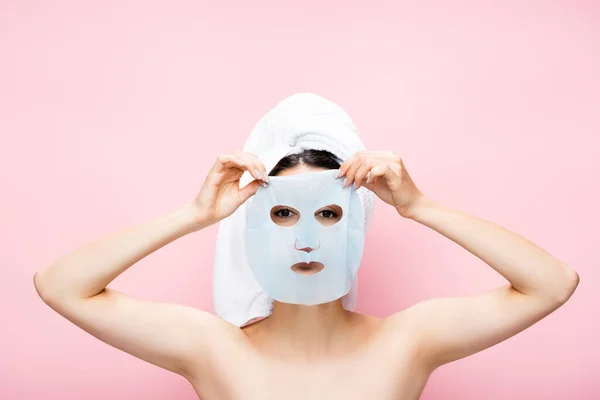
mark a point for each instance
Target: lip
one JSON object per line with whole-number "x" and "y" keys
{"x": 304, "y": 268}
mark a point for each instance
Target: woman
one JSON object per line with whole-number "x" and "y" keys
{"x": 307, "y": 352}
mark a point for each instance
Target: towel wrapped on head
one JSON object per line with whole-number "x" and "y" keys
{"x": 301, "y": 121}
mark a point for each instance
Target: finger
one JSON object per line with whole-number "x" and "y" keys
{"x": 376, "y": 172}
{"x": 393, "y": 175}
{"x": 228, "y": 175}
{"x": 252, "y": 167}
{"x": 389, "y": 171}
{"x": 225, "y": 161}
{"x": 363, "y": 171}
{"x": 351, "y": 171}
{"x": 260, "y": 165}
{"x": 248, "y": 190}
{"x": 346, "y": 164}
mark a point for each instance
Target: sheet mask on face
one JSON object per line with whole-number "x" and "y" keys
{"x": 311, "y": 231}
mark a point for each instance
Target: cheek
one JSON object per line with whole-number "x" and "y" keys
{"x": 278, "y": 241}
{"x": 333, "y": 239}
{"x": 285, "y": 222}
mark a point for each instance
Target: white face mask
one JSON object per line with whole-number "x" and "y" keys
{"x": 310, "y": 231}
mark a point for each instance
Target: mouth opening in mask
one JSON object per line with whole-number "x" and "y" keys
{"x": 304, "y": 268}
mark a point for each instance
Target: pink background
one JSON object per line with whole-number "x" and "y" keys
{"x": 111, "y": 113}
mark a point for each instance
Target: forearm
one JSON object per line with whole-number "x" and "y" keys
{"x": 86, "y": 271}
{"x": 530, "y": 269}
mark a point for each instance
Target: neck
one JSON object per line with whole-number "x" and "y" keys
{"x": 311, "y": 330}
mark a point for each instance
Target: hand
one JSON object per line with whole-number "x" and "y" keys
{"x": 384, "y": 173}
{"x": 220, "y": 194}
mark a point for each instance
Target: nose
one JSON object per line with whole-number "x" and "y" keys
{"x": 306, "y": 249}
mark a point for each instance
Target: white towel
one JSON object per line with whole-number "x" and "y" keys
{"x": 301, "y": 121}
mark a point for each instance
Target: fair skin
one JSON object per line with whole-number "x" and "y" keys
{"x": 300, "y": 352}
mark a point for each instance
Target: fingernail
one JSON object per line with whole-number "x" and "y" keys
{"x": 345, "y": 183}
{"x": 267, "y": 178}
{"x": 258, "y": 174}
{"x": 339, "y": 174}
{"x": 355, "y": 185}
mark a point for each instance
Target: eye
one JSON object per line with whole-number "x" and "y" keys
{"x": 284, "y": 213}
{"x": 328, "y": 214}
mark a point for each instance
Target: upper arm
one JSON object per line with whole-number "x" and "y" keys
{"x": 448, "y": 329}
{"x": 171, "y": 336}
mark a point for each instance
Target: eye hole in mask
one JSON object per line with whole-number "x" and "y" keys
{"x": 329, "y": 215}
{"x": 288, "y": 216}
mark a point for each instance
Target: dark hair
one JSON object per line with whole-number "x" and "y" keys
{"x": 314, "y": 158}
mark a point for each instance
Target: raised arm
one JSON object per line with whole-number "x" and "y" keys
{"x": 171, "y": 336}
{"x": 451, "y": 328}
{"x": 539, "y": 283}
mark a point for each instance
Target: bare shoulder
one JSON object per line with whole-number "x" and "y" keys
{"x": 405, "y": 334}
{"x": 446, "y": 329}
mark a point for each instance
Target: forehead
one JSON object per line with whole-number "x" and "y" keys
{"x": 304, "y": 190}
{"x": 299, "y": 169}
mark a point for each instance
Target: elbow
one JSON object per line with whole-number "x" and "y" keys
{"x": 41, "y": 288}
{"x": 567, "y": 286}
{"x": 54, "y": 290}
